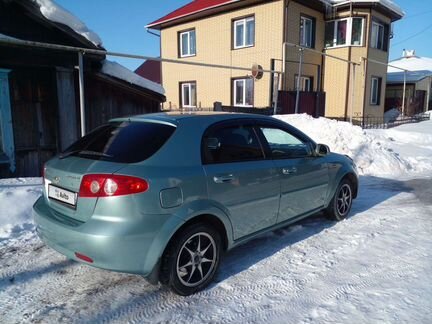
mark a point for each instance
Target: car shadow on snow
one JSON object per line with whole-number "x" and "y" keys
{"x": 373, "y": 191}
{"x": 59, "y": 268}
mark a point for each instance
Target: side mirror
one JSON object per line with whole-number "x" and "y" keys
{"x": 322, "y": 150}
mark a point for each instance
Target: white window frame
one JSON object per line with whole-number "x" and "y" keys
{"x": 243, "y": 22}
{"x": 190, "y": 98}
{"x": 362, "y": 31}
{"x": 243, "y": 103}
{"x": 348, "y": 40}
{"x": 303, "y": 40}
{"x": 374, "y": 99}
{"x": 303, "y": 81}
{"x": 188, "y": 51}
{"x": 374, "y": 44}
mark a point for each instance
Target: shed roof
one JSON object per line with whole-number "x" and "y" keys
{"x": 411, "y": 77}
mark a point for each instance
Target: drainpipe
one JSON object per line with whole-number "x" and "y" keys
{"x": 298, "y": 80}
{"x": 428, "y": 97}
{"x": 81, "y": 93}
{"x": 352, "y": 93}
{"x": 283, "y": 83}
{"x": 403, "y": 95}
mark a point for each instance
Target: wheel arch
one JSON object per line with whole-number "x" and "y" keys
{"x": 209, "y": 219}
{"x": 351, "y": 177}
{"x": 209, "y": 215}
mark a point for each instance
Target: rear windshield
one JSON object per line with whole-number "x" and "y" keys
{"x": 123, "y": 142}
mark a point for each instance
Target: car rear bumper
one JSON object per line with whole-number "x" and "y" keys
{"x": 119, "y": 245}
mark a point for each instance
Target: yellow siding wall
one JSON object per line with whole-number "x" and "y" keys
{"x": 338, "y": 103}
{"x": 425, "y": 85}
{"x": 214, "y": 46}
{"x": 338, "y": 74}
{"x": 376, "y": 70}
{"x": 292, "y": 32}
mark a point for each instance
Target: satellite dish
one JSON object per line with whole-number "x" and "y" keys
{"x": 257, "y": 71}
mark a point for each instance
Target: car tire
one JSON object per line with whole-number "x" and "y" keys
{"x": 191, "y": 259}
{"x": 341, "y": 203}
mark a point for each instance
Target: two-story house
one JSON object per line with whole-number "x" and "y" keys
{"x": 245, "y": 32}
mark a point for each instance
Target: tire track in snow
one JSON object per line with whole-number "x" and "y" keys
{"x": 19, "y": 259}
{"x": 358, "y": 282}
{"x": 146, "y": 308}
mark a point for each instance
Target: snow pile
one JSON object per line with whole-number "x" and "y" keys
{"x": 391, "y": 115}
{"x": 374, "y": 151}
{"x": 56, "y": 13}
{"x": 119, "y": 71}
{"x": 16, "y": 199}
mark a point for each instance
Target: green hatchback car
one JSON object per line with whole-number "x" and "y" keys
{"x": 163, "y": 195}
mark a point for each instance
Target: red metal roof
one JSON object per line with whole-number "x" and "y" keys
{"x": 189, "y": 9}
{"x": 151, "y": 70}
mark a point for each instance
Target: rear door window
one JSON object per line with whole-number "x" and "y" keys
{"x": 122, "y": 142}
{"x": 231, "y": 144}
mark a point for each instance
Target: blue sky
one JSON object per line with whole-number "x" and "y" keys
{"x": 120, "y": 24}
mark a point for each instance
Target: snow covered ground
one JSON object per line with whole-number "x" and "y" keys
{"x": 374, "y": 267}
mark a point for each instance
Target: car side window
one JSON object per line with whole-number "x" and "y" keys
{"x": 284, "y": 144}
{"x": 231, "y": 144}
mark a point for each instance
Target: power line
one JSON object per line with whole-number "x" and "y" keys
{"x": 412, "y": 36}
{"x": 415, "y": 15}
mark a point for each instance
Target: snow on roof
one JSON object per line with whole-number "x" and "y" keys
{"x": 386, "y": 3}
{"x": 202, "y": 5}
{"x": 411, "y": 63}
{"x": 120, "y": 72}
{"x": 58, "y": 14}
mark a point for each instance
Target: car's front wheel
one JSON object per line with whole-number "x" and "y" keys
{"x": 191, "y": 259}
{"x": 341, "y": 203}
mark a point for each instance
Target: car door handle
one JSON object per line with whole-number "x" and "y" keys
{"x": 223, "y": 179}
{"x": 289, "y": 170}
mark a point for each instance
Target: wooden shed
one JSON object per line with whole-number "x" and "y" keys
{"x": 39, "y": 90}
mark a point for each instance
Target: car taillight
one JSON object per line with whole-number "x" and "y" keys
{"x": 106, "y": 185}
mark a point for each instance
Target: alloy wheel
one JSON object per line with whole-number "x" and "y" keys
{"x": 344, "y": 200}
{"x": 196, "y": 259}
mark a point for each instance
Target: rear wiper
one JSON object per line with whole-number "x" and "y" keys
{"x": 84, "y": 152}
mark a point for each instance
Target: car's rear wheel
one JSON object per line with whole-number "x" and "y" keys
{"x": 341, "y": 203}
{"x": 191, "y": 259}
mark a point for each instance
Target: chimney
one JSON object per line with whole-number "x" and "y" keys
{"x": 408, "y": 53}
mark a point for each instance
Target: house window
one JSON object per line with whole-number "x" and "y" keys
{"x": 344, "y": 32}
{"x": 375, "y": 91}
{"x": 357, "y": 31}
{"x": 379, "y": 36}
{"x": 188, "y": 94}
{"x": 187, "y": 42}
{"x": 307, "y": 32}
{"x": 306, "y": 83}
{"x": 244, "y": 32}
{"x": 243, "y": 92}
